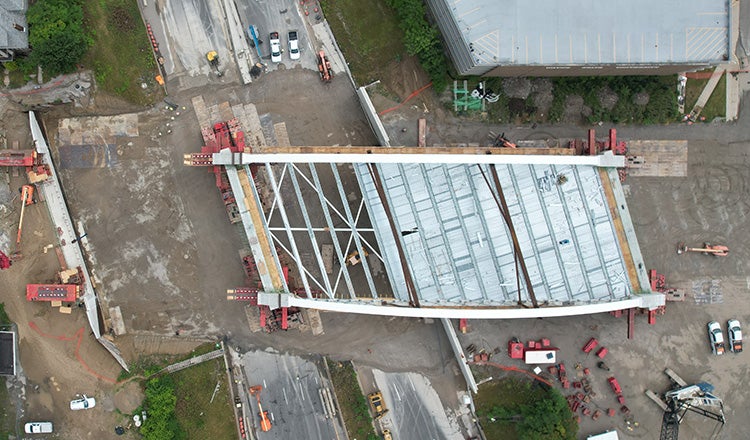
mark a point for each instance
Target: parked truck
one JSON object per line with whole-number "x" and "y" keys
{"x": 716, "y": 337}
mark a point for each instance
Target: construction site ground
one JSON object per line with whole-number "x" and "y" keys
{"x": 163, "y": 251}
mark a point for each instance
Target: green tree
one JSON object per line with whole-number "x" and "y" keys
{"x": 422, "y": 39}
{"x": 56, "y": 35}
{"x": 546, "y": 418}
{"x": 161, "y": 423}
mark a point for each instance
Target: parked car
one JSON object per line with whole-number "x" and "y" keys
{"x": 82, "y": 403}
{"x": 275, "y": 47}
{"x": 716, "y": 336}
{"x": 38, "y": 428}
{"x": 734, "y": 330}
{"x": 293, "y": 45}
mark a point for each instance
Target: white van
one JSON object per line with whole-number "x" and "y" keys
{"x": 38, "y": 428}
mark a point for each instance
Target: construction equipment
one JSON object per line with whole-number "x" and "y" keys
{"x": 354, "y": 258}
{"x": 683, "y": 398}
{"x": 27, "y": 198}
{"x": 707, "y": 249}
{"x": 213, "y": 60}
{"x": 377, "y": 404}
{"x": 501, "y": 141}
{"x": 324, "y": 67}
{"x": 265, "y": 423}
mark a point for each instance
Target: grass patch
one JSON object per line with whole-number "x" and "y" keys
{"x": 121, "y": 56}
{"x": 693, "y": 89}
{"x": 4, "y": 318}
{"x": 147, "y": 366}
{"x": 181, "y": 408}
{"x": 716, "y": 104}
{"x": 368, "y": 34}
{"x": 8, "y": 412}
{"x": 353, "y": 404}
{"x": 196, "y": 414}
{"x": 506, "y": 408}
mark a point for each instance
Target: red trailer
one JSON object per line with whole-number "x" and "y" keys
{"x": 593, "y": 342}
{"x": 615, "y": 385}
{"x": 602, "y": 352}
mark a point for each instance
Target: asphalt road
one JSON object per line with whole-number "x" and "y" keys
{"x": 279, "y": 16}
{"x": 290, "y": 395}
{"x": 186, "y": 31}
{"x": 414, "y": 408}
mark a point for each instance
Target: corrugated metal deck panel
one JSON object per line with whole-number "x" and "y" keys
{"x": 460, "y": 252}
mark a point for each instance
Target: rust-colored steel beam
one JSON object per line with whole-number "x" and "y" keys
{"x": 516, "y": 245}
{"x": 412, "y": 290}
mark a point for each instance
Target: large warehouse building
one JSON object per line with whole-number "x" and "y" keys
{"x": 583, "y": 37}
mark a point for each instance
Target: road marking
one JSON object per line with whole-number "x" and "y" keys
{"x": 285, "y": 399}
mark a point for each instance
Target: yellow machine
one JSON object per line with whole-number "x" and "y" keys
{"x": 213, "y": 60}
{"x": 377, "y": 404}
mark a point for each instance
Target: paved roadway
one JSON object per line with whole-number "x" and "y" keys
{"x": 290, "y": 395}
{"x": 279, "y": 16}
{"x": 186, "y": 31}
{"x": 414, "y": 408}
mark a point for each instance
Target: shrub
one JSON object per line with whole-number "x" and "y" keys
{"x": 56, "y": 35}
{"x": 422, "y": 39}
{"x": 161, "y": 423}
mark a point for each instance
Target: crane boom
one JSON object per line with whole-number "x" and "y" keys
{"x": 695, "y": 398}
{"x": 265, "y": 423}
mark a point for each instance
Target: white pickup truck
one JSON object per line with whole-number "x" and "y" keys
{"x": 716, "y": 337}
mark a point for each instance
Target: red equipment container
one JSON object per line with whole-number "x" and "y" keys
{"x": 615, "y": 386}
{"x": 515, "y": 350}
{"x": 602, "y": 352}
{"x": 593, "y": 342}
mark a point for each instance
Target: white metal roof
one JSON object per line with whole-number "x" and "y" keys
{"x": 459, "y": 250}
{"x": 576, "y": 32}
{"x": 609, "y": 435}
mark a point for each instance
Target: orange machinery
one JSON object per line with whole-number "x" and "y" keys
{"x": 707, "y": 249}
{"x": 265, "y": 423}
